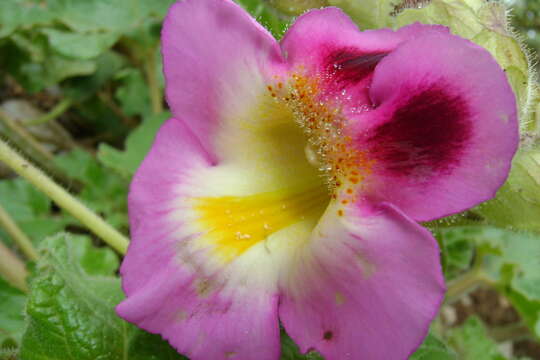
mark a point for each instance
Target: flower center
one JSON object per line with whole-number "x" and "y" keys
{"x": 236, "y": 223}
{"x": 322, "y": 118}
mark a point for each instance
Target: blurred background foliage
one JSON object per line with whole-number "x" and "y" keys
{"x": 81, "y": 95}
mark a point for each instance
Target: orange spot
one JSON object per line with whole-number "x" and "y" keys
{"x": 344, "y": 202}
{"x": 340, "y": 212}
{"x": 354, "y": 180}
{"x": 349, "y": 191}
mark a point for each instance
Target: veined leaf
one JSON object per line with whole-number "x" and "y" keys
{"x": 71, "y": 309}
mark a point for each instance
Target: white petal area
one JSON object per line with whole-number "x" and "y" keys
{"x": 178, "y": 282}
{"x": 259, "y": 147}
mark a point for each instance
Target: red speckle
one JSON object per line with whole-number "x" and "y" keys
{"x": 328, "y": 335}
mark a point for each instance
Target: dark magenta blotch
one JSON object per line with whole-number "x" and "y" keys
{"x": 426, "y": 134}
{"x": 351, "y": 66}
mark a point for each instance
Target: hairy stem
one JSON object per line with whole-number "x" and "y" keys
{"x": 20, "y": 238}
{"x": 12, "y": 268}
{"x": 64, "y": 199}
{"x": 27, "y": 143}
{"x": 26, "y": 136}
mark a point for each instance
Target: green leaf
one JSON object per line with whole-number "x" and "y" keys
{"x": 514, "y": 60}
{"x": 268, "y": 17}
{"x": 22, "y": 13}
{"x": 30, "y": 209}
{"x": 457, "y": 254}
{"x": 80, "y": 46}
{"x": 37, "y": 76}
{"x": 71, "y": 311}
{"x": 529, "y": 310}
{"x": 94, "y": 261}
{"x": 10, "y": 17}
{"x": 133, "y": 93}
{"x": 433, "y": 349}
{"x": 290, "y": 351}
{"x": 517, "y": 204}
{"x": 472, "y": 342}
{"x": 101, "y": 120}
{"x": 35, "y": 45}
{"x": 137, "y": 146}
{"x": 81, "y": 88}
{"x": 28, "y": 58}
{"x": 103, "y": 191}
{"x": 509, "y": 261}
{"x": 456, "y": 14}
{"x": 297, "y": 7}
{"x": 12, "y": 323}
{"x": 107, "y": 15}
{"x": 368, "y": 14}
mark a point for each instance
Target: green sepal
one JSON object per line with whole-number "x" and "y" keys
{"x": 368, "y": 14}
{"x": 517, "y": 204}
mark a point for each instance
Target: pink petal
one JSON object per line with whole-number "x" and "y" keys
{"x": 173, "y": 288}
{"x": 210, "y": 49}
{"x": 329, "y": 45}
{"x": 366, "y": 286}
{"x": 444, "y": 128}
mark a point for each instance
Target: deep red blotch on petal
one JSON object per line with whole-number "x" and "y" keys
{"x": 350, "y": 66}
{"x": 427, "y": 133}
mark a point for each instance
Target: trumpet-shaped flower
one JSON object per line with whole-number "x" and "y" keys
{"x": 288, "y": 186}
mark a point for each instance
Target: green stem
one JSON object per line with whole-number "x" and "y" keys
{"x": 156, "y": 96}
{"x": 465, "y": 284}
{"x": 64, "y": 199}
{"x": 20, "y": 238}
{"x": 27, "y": 143}
{"x": 12, "y": 268}
{"x": 512, "y": 332}
{"x": 58, "y": 110}
{"x": 26, "y": 136}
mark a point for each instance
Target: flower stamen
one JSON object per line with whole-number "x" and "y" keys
{"x": 329, "y": 147}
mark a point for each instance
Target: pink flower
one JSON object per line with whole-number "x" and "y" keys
{"x": 289, "y": 183}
